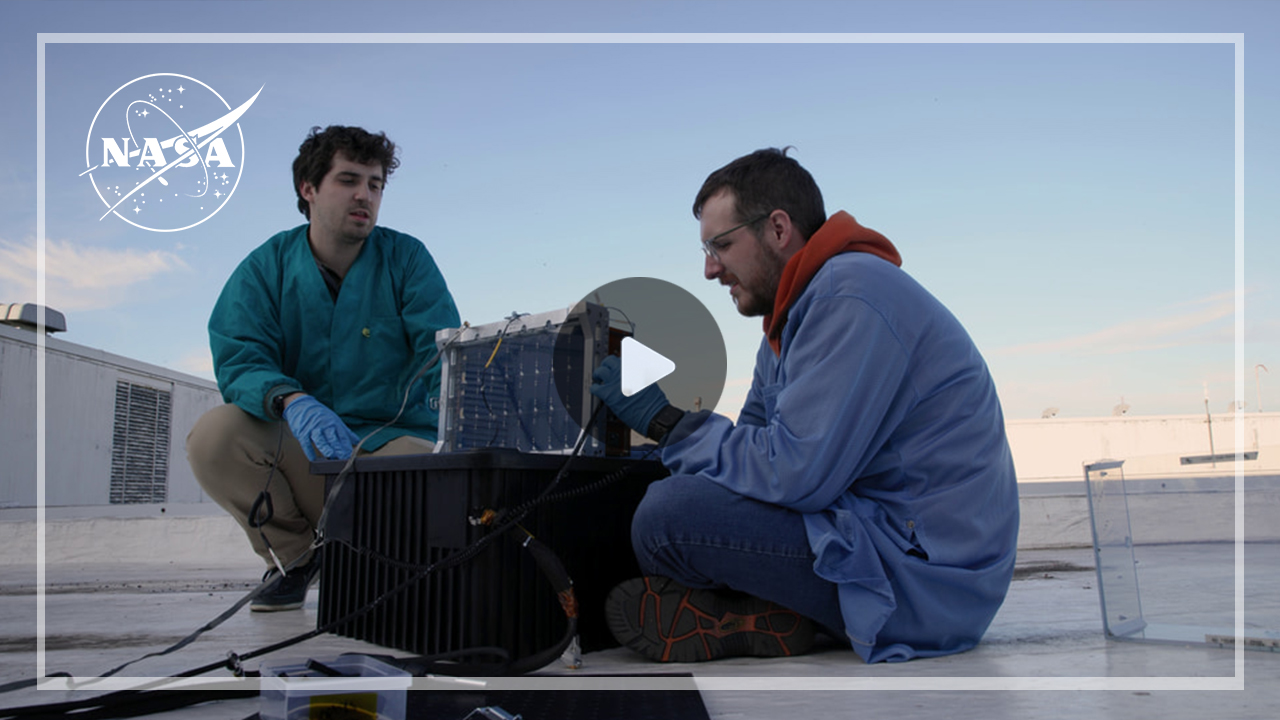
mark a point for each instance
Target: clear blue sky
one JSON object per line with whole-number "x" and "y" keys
{"x": 1073, "y": 204}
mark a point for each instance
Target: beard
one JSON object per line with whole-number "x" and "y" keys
{"x": 757, "y": 292}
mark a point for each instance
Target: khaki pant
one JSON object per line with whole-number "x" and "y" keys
{"x": 231, "y": 454}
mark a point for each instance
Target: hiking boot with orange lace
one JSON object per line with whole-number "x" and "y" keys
{"x": 668, "y": 622}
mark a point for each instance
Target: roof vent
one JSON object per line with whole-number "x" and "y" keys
{"x": 23, "y": 315}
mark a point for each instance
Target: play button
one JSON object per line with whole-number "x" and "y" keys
{"x": 663, "y": 335}
{"x": 641, "y": 367}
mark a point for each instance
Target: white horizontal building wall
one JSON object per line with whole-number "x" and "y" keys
{"x": 1056, "y": 449}
{"x": 80, "y": 421}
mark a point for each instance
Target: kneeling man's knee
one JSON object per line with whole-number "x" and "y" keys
{"x": 207, "y": 438}
{"x": 216, "y": 440}
{"x": 660, "y": 504}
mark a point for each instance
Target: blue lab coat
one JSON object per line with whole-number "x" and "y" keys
{"x": 880, "y": 423}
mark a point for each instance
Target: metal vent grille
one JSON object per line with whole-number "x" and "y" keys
{"x": 140, "y": 445}
{"x": 415, "y": 509}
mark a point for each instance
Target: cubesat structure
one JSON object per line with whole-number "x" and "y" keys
{"x": 523, "y": 383}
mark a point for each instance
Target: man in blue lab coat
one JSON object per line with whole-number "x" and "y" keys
{"x": 866, "y": 489}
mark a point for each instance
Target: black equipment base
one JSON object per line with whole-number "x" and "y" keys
{"x": 416, "y": 509}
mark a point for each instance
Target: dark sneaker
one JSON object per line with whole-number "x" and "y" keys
{"x": 288, "y": 592}
{"x": 668, "y": 622}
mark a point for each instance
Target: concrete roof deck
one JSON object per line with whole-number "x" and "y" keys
{"x": 1044, "y": 656}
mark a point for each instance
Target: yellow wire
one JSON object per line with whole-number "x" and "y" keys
{"x": 495, "y": 352}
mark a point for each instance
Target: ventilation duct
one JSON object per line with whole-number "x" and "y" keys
{"x": 24, "y": 315}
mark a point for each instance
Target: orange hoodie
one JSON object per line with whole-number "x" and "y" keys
{"x": 839, "y": 234}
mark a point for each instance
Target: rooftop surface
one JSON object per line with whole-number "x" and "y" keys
{"x": 1045, "y": 655}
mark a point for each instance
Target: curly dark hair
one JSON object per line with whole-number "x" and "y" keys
{"x": 315, "y": 155}
{"x": 764, "y": 181}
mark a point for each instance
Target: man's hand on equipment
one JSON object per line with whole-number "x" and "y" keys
{"x": 314, "y": 424}
{"x": 636, "y": 411}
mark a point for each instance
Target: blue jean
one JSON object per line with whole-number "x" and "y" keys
{"x": 704, "y": 536}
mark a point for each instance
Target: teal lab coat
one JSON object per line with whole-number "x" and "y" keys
{"x": 276, "y": 329}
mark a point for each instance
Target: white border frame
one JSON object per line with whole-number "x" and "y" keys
{"x": 872, "y": 682}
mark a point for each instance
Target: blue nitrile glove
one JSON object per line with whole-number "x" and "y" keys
{"x": 636, "y": 411}
{"x": 314, "y": 424}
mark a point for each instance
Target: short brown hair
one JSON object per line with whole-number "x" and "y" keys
{"x": 315, "y": 155}
{"x": 764, "y": 181}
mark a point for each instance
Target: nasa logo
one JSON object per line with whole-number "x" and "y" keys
{"x": 159, "y": 155}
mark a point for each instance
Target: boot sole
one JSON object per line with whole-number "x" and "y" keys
{"x": 667, "y": 622}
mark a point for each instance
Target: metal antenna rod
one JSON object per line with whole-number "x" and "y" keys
{"x": 1257, "y": 387}
{"x": 1209, "y": 419}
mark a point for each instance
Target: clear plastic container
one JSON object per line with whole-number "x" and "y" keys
{"x": 350, "y": 687}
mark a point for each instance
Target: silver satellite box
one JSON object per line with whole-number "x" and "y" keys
{"x": 523, "y": 382}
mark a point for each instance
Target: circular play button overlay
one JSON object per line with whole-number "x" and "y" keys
{"x": 662, "y": 334}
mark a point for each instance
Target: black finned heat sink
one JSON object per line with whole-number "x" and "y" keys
{"x": 415, "y": 509}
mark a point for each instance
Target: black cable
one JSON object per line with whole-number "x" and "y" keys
{"x": 457, "y": 558}
{"x": 322, "y": 523}
{"x": 554, "y": 570}
{"x": 124, "y": 704}
{"x": 256, "y": 520}
{"x": 28, "y": 683}
{"x": 449, "y": 561}
{"x": 447, "y": 663}
{"x": 520, "y": 511}
{"x": 108, "y": 706}
{"x": 511, "y": 520}
{"x": 546, "y": 496}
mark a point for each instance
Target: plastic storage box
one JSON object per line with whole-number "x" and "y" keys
{"x": 1166, "y": 553}
{"x": 349, "y": 686}
{"x": 417, "y": 509}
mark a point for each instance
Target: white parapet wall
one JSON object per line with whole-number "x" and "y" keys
{"x": 1174, "y": 500}
{"x": 1055, "y": 450}
{"x": 1174, "y": 494}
